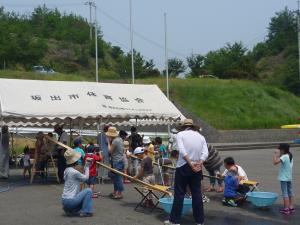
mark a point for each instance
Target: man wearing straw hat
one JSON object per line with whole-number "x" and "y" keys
{"x": 116, "y": 150}
{"x": 192, "y": 153}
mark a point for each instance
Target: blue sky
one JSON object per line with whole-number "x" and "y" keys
{"x": 196, "y": 26}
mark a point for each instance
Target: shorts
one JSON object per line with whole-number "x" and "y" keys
{"x": 27, "y": 168}
{"x": 92, "y": 180}
{"x": 286, "y": 189}
{"x": 125, "y": 163}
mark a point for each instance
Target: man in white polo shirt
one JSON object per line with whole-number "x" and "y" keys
{"x": 192, "y": 153}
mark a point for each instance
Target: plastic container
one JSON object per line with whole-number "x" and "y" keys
{"x": 262, "y": 199}
{"x": 166, "y": 204}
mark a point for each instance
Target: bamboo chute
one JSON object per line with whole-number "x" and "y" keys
{"x": 135, "y": 179}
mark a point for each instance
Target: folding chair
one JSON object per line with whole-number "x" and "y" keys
{"x": 252, "y": 184}
{"x": 145, "y": 192}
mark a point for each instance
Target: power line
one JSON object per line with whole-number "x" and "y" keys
{"x": 48, "y": 4}
{"x": 127, "y": 48}
{"x": 141, "y": 36}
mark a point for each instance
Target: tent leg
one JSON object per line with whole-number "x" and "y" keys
{"x": 71, "y": 132}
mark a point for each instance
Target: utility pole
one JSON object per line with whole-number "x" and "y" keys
{"x": 131, "y": 41}
{"x": 96, "y": 43}
{"x": 90, "y": 4}
{"x": 166, "y": 56}
{"x": 167, "y": 63}
{"x": 298, "y": 27}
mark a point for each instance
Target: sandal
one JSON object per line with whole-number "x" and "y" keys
{"x": 285, "y": 211}
{"x": 210, "y": 189}
{"x": 220, "y": 190}
{"x": 292, "y": 210}
{"x": 117, "y": 197}
{"x": 111, "y": 195}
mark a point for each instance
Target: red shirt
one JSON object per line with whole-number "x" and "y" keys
{"x": 93, "y": 168}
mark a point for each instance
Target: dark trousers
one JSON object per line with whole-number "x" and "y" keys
{"x": 61, "y": 166}
{"x": 184, "y": 176}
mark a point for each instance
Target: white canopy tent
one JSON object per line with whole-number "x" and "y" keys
{"x": 83, "y": 104}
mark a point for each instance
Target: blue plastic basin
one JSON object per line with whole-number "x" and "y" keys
{"x": 166, "y": 204}
{"x": 262, "y": 199}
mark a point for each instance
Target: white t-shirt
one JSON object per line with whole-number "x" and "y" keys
{"x": 192, "y": 144}
{"x": 64, "y": 138}
{"x": 241, "y": 172}
{"x": 26, "y": 160}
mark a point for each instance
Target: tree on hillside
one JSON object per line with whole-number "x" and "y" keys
{"x": 142, "y": 68}
{"x": 277, "y": 55}
{"x": 176, "y": 67}
{"x": 282, "y": 30}
{"x": 229, "y": 62}
{"x": 50, "y": 23}
{"x": 196, "y": 64}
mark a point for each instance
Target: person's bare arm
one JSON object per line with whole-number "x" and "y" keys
{"x": 111, "y": 147}
{"x": 276, "y": 158}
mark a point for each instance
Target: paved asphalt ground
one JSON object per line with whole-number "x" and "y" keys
{"x": 39, "y": 204}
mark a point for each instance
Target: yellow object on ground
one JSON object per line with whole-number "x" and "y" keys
{"x": 291, "y": 126}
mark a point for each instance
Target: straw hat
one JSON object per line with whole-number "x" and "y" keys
{"x": 146, "y": 140}
{"x": 112, "y": 132}
{"x": 72, "y": 156}
{"x": 126, "y": 143}
{"x": 188, "y": 122}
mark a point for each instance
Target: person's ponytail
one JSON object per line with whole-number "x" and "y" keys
{"x": 291, "y": 156}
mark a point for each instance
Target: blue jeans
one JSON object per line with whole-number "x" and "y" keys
{"x": 118, "y": 179}
{"x": 185, "y": 176}
{"x": 82, "y": 202}
{"x": 286, "y": 189}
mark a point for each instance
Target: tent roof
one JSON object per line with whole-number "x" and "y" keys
{"x": 26, "y": 102}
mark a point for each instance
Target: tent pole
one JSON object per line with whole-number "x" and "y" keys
{"x": 71, "y": 132}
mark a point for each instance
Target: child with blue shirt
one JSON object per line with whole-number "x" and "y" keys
{"x": 78, "y": 148}
{"x": 231, "y": 183}
{"x": 284, "y": 157}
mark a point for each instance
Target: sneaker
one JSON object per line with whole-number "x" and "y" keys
{"x": 285, "y": 211}
{"x": 70, "y": 213}
{"x": 168, "y": 222}
{"x": 95, "y": 195}
{"x": 231, "y": 203}
{"x": 86, "y": 214}
{"x": 292, "y": 210}
{"x": 205, "y": 199}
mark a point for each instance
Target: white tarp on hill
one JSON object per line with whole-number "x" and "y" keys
{"x": 27, "y": 102}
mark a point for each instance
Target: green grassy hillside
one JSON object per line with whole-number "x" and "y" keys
{"x": 234, "y": 104}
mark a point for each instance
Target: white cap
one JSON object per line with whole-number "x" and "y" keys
{"x": 146, "y": 140}
{"x": 174, "y": 131}
{"x": 138, "y": 150}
